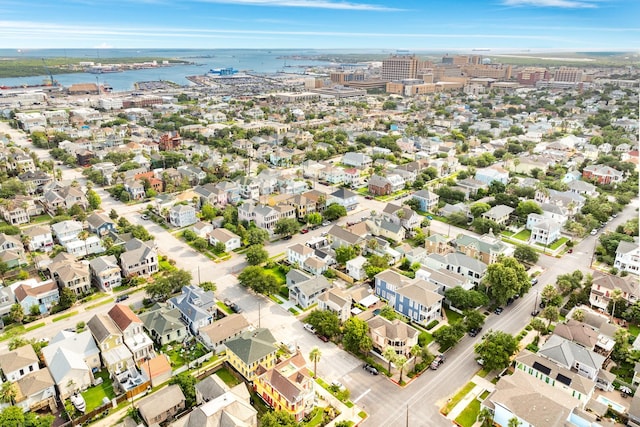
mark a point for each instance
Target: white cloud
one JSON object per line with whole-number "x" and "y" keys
{"x": 567, "y": 4}
{"x": 310, "y": 4}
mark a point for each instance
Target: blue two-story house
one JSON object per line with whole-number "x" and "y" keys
{"x": 44, "y": 296}
{"x": 100, "y": 224}
{"x": 197, "y": 307}
{"x": 414, "y": 298}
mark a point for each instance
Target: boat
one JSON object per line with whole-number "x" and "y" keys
{"x": 78, "y": 402}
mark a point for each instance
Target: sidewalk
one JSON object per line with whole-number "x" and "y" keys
{"x": 346, "y": 413}
{"x": 482, "y": 384}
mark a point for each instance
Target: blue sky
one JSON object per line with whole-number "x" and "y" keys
{"x": 330, "y": 24}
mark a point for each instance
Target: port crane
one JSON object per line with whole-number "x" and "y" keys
{"x": 53, "y": 82}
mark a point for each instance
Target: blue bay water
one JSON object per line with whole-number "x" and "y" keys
{"x": 257, "y": 61}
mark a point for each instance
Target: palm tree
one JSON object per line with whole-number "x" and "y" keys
{"x": 390, "y": 354}
{"x": 84, "y": 235}
{"x": 401, "y": 362}
{"x": 578, "y": 315}
{"x": 485, "y": 416}
{"x": 314, "y": 355}
{"x": 514, "y": 422}
{"x": 415, "y": 352}
{"x": 8, "y": 392}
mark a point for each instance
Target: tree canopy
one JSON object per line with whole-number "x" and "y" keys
{"x": 287, "y": 226}
{"x": 334, "y": 211}
{"x": 259, "y": 280}
{"x": 506, "y": 278}
{"x": 496, "y": 349}
{"x": 326, "y": 322}
{"x": 356, "y": 337}
{"x": 463, "y": 299}
{"x": 526, "y": 254}
{"x": 256, "y": 254}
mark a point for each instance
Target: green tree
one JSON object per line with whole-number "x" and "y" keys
{"x": 219, "y": 248}
{"x": 208, "y": 212}
{"x": 527, "y": 207}
{"x": 551, "y": 313}
{"x": 345, "y": 253}
{"x": 278, "y": 419}
{"x": 505, "y": 279}
{"x": 259, "y": 280}
{"x": 314, "y": 356}
{"x": 113, "y": 214}
{"x": 479, "y": 208}
{"x": 187, "y": 384}
{"x": 201, "y": 244}
{"x": 67, "y": 298}
{"x": 286, "y": 226}
{"x": 12, "y": 416}
{"x": 473, "y": 320}
{"x": 448, "y": 336}
{"x": 208, "y": 286}
{"x": 356, "y": 337}
{"x": 8, "y": 392}
{"x": 538, "y": 325}
{"x": 326, "y": 322}
{"x": 160, "y": 289}
{"x": 313, "y": 218}
{"x": 257, "y": 236}
{"x": 485, "y": 417}
{"x": 551, "y": 296}
{"x": 496, "y": 349}
{"x": 16, "y": 313}
{"x": 483, "y": 226}
{"x": 256, "y": 254}
{"x": 514, "y": 422}
{"x": 375, "y": 264}
{"x": 401, "y": 363}
{"x": 94, "y": 199}
{"x": 390, "y": 354}
{"x": 465, "y": 299}
{"x": 526, "y": 254}
{"x": 178, "y": 279}
{"x": 334, "y": 211}
{"x": 189, "y": 235}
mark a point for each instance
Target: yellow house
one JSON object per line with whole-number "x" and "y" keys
{"x": 250, "y": 350}
{"x": 116, "y": 357}
{"x": 287, "y": 387}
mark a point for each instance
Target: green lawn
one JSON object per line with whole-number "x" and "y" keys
{"x": 317, "y": 418}
{"x": 278, "y": 273}
{"x": 634, "y": 329}
{"x": 179, "y": 358}
{"x": 468, "y": 416}
{"x": 523, "y": 235}
{"x": 227, "y": 377}
{"x": 94, "y": 395}
{"x": 458, "y": 397}
{"x": 452, "y": 316}
{"x": 555, "y": 245}
{"x": 64, "y": 316}
{"x": 507, "y": 233}
{"x": 224, "y": 308}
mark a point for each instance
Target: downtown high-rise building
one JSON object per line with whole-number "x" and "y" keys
{"x": 399, "y": 67}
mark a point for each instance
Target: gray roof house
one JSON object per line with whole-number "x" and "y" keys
{"x": 499, "y": 214}
{"x": 306, "y": 293}
{"x": 216, "y": 334}
{"x": 162, "y": 406}
{"x": 139, "y": 259}
{"x": 164, "y": 325}
{"x": 197, "y": 307}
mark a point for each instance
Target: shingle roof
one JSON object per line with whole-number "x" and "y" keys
{"x": 34, "y": 383}
{"x": 252, "y": 346}
{"x": 392, "y": 329}
{"x": 123, "y": 316}
{"x": 157, "y": 403}
{"x": 566, "y": 353}
{"x": 102, "y": 327}
{"x": 18, "y": 358}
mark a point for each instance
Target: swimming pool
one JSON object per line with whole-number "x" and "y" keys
{"x": 614, "y": 405}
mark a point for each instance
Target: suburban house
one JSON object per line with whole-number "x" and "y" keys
{"x": 487, "y": 248}
{"x": 18, "y": 363}
{"x": 163, "y": 324}
{"x": 252, "y": 351}
{"x": 298, "y": 254}
{"x": 7, "y": 299}
{"x": 427, "y": 200}
{"x": 157, "y": 369}
{"x": 583, "y": 188}
{"x": 414, "y": 298}
{"x": 71, "y": 359}
{"x": 604, "y": 285}
{"x": 337, "y": 301}
{"x": 264, "y": 217}
{"x": 116, "y": 357}
{"x": 182, "y": 215}
{"x": 439, "y": 245}
{"x": 471, "y": 268}
{"x": 380, "y": 185}
{"x": 105, "y": 273}
{"x": 402, "y": 215}
{"x": 492, "y": 173}
{"x": 220, "y": 405}
{"x": 230, "y": 240}
{"x": 387, "y": 229}
{"x": 603, "y": 174}
{"x": 71, "y": 274}
{"x": 534, "y": 403}
{"x": 545, "y": 231}
{"x": 288, "y": 387}
{"x": 628, "y": 257}
{"x": 139, "y": 259}
{"x": 162, "y": 406}
{"x": 202, "y": 229}
{"x": 358, "y": 160}
{"x": 100, "y": 224}
{"x": 39, "y": 237}
{"x": 305, "y": 293}
{"x": 11, "y": 251}
{"x": 499, "y": 214}
{"x": 67, "y": 231}
{"x": 443, "y": 279}
{"x": 36, "y": 391}
{"x": 343, "y": 197}
{"x": 545, "y": 370}
{"x": 215, "y": 335}
{"x": 197, "y": 307}
{"x": 392, "y": 333}
{"x": 64, "y": 198}
{"x": 43, "y": 295}
{"x": 131, "y": 328}
{"x": 355, "y": 268}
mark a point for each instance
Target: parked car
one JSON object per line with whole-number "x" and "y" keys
{"x": 337, "y": 385}
{"x": 439, "y": 360}
{"x": 304, "y": 231}
{"x": 323, "y": 338}
{"x": 370, "y": 368}
{"x": 235, "y": 308}
{"x": 534, "y": 281}
{"x": 498, "y": 310}
{"x": 480, "y": 361}
{"x": 145, "y": 216}
{"x": 570, "y": 251}
{"x": 309, "y": 328}
{"x": 368, "y": 197}
{"x": 121, "y": 298}
{"x": 325, "y": 223}
{"x": 535, "y": 312}
{"x": 474, "y": 332}
{"x": 287, "y": 238}
{"x": 594, "y": 231}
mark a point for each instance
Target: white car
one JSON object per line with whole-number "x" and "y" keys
{"x": 309, "y": 328}
{"x": 594, "y": 231}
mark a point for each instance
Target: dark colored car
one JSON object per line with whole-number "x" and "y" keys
{"x": 323, "y": 338}
{"x": 474, "y": 332}
{"x": 304, "y": 231}
{"x": 286, "y": 238}
{"x": 439, "y": 360}
{"x": 370, "y": 368}
{"x": 534, "y": 313}
{"x": 122, "y": 298}
{"x": 368, "y": 197}
{"x": 498, "y": 310}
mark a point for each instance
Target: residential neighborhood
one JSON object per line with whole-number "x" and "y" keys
{"x": 462, "y": 248}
